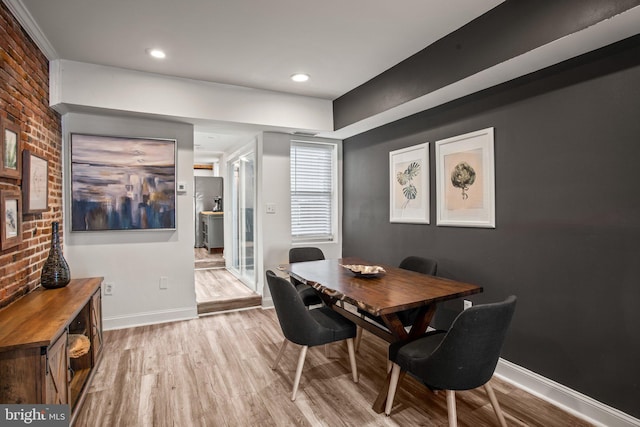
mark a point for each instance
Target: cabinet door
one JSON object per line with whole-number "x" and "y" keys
{"x": 57, "y": 374}
{"x": 204, "y": 219}
{"x": 96, "y": 326}
{"x": 217, "y": 231}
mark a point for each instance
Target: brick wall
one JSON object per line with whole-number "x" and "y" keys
{"x": 24, "y": 100}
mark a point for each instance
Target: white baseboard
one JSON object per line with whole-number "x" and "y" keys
{"x": 149, "y": 318}
{"x": 267, "y": 302}
{"x": 569, "y": 400}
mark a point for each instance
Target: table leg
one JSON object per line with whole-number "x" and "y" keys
{"x": 421, "y": 323}
{"x": 395, "y": 326}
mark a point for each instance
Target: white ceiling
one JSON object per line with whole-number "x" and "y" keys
{"x": 259, "y": 44}
{"x": 341, "y": 44}
{"x": 253, "y": 43}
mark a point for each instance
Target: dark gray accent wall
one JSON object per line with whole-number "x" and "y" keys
{"x": 510, "y": 29}
{"x": 567, "y": 236}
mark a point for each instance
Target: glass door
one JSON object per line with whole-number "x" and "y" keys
{"x": 242, "y": 179}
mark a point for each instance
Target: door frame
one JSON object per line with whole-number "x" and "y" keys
{"x": 235, "y": 157}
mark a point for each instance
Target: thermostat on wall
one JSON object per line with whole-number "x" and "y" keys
{"x": 182, "y": 187}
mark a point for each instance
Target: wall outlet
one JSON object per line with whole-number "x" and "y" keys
{"x": 164, "y": 282}
{"x": 108, "y": 288}
{"x": 271, "y": 208}
{"x": 466, "y": 304}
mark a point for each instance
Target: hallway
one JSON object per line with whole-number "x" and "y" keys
{"x": 216, "y": 288}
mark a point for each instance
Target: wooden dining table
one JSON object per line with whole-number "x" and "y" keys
{"x": 382, "y": 295}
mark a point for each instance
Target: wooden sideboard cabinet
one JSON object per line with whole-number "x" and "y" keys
{"x": 39, "y": 363}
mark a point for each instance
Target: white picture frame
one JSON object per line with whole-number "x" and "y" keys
{"x": 409, "y": 185}
{"x": 465, "y": 180}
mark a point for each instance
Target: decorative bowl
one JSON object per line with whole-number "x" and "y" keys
{"x": 365, "y": 270}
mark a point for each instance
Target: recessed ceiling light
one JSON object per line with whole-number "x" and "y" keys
{"x": 300, "y": 77}
{"x": 156, "y": 53}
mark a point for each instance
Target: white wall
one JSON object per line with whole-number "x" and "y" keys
{"x": 274, "y": 187}
{"x": 134, "y": 261}
{"x": 97, "y": 86}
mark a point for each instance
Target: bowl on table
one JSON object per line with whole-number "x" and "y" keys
{"x": 365, "y": 270}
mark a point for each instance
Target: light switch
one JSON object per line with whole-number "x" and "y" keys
{"x": 271, "y": 208}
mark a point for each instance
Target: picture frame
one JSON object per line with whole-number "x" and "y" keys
{"x": 10, "y": 218}
{"x": 409, "y": 185}
{"x": 465, "y": 180}
{"x": 122, "y": 183}
{"x": 11, "y": 151}
{"x": 35, "y": 183}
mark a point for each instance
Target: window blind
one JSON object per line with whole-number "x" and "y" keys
{"x": 312, "y": 170}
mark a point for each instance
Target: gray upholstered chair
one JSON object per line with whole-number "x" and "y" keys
{"x": 463, "y": 358}
{"x": 420, "y": 264}
{"x": 300, "y": 254}
{"x": 414, "y": 263}
{"x": 307, "y": 328}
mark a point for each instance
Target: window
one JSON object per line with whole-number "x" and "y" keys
{"x": 313, "y": 173}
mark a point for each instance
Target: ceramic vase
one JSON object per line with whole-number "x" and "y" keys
{"x": 55, "y": 273}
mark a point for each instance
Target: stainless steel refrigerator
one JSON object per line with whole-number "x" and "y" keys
{"x": 206, "y": 190}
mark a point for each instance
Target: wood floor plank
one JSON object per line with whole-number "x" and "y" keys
{"x": 150, "y": 409}
{"x": 206, "y": 259}
{"x": 215, "y": 371}
{"x": 219, "y": 290}
{"x": 288, "y": 413}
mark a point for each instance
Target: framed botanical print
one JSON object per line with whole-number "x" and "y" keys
{"x": 35, "y": 183}
{"x": 465, "y": 183}
{"x": 409, "y": 184}
{"x": 11, "y": 151}
{"x": 10, "y": 218}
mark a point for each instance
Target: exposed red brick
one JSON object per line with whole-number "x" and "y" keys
{"x": 24, "y": 95}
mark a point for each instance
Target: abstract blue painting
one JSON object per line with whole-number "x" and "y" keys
{"x": 122, "y": 183}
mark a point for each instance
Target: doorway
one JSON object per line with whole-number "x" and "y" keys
{"x": 225, "y": 278}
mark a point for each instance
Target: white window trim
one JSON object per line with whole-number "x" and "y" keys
{"x": 335, "y": 199}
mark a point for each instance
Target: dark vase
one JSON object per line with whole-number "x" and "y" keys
{"x": 55, "y": 273}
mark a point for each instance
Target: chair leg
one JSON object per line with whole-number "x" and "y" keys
{"x": 352, "y": 359}
{"x": 451, "y": 408}
{"x": 296, "y": 381}
{"x": 495, "y": 404}
{"x": 280, "y": 353}
{"x": 393, "y": 386}
{"x": 358, "y": 337}
{"x": 389, "y": 362}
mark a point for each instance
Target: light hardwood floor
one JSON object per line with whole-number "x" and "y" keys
{"x": 216, "y": 288}
{"x": 205, "y": 259}
{"x": 215, "y": 371}
{"x": 219, "y": 290}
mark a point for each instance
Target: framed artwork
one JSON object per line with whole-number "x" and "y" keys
{"x": 465, "y": 183}
{"x": 10, "y": 218}
{"x": 122, "y": 183}
{"x": 11, "y": 155}
{"x": 409, "y": 184}
{"x": 35, "y": 183}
